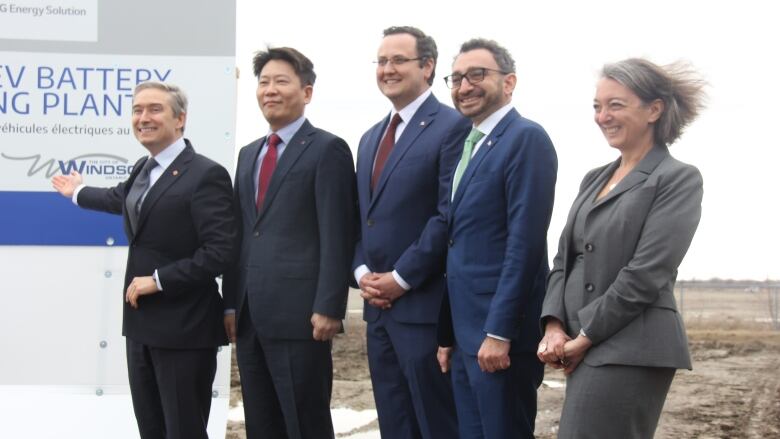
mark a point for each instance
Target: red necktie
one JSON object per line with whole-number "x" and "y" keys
{"x": 267, "y": 169}
{"x": 384, "y": 150}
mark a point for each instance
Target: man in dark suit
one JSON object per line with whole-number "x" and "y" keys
{"x": 502, "y": 192}
{"x": 404, "y": 166}
{"x": 295, "y": 189}
{"x": 179, "y": 219}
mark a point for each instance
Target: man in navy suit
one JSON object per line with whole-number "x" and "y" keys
{"x": 295, "y": 189}
{"x": 404, "y": 166}
{"x": 502, "y": 198}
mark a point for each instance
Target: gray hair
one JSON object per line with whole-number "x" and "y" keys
{"x": 504, "y": 60}
{"x": 177, "y": 97}
{"x": 677, "y": 85}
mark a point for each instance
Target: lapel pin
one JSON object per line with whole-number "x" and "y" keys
{"x": 490, "y": 142}
{"x": 175, "y": 172}
{"x": 422, "y": 123}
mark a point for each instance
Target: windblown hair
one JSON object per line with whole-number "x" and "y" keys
{"x": 678, "y": 85}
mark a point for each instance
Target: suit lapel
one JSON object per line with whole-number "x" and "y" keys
{"x": 423, "y": 117}
{"x": 488, "y": 144}
{"x": 300, "y": 141}
{"x": 588, "y": 193}
{"x": 366, "y": 161}
{"x": 637, "y": 175}
{"x": 246, "y": 177}
{"x": 171, "y": 174}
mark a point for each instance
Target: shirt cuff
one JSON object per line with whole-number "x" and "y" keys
{"x": 401, "y": 281}
{"x": 498, "y": 337}
{"x": 75, "y": 197}
{"x": 230, "y": 311}
{"x": 360, "y": 272}
{"x": 157, "y": 280}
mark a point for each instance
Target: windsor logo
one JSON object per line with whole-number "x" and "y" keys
{"x": 107, "y": 166}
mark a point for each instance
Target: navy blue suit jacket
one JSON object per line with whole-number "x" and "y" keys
{"x": 404, "y": 221}
{"x": 497, "y": 260}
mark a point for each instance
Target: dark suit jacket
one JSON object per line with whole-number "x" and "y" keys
{"x": 186, "y": 232}
{"x": 404, "y": 222}
{"x": 295, "y": 255}
{"x": 497, "y": 259}
{"x": 636, "y": 237}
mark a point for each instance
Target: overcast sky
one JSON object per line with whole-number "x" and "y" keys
{"x": 559, "y": 48}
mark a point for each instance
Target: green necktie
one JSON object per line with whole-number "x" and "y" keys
{"x": 474, "y": 137}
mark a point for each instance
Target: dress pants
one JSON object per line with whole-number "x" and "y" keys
{"x": 171, "y": 390}
{"x": 286, "y": 385}
{"x": 413, "y": 398}
{"x": 498, "y": 405}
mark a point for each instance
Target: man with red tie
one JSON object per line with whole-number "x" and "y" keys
{"x": 285, "y": 299}
{"x": 404, "y": 166}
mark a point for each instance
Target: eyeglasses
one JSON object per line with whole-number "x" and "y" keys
{"x": 395, "y": 61}
{"x": 474, "y": 76}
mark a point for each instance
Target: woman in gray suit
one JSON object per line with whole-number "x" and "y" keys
{"x": 609, "y": 317}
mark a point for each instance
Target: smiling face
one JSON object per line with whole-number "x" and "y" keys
{"x": 625, "y": 121}
{"x": 154, "y": 124}
{"x": 480, "y": 100}
{"x": 404, "y": 82}
{"x": 280, "y": 94}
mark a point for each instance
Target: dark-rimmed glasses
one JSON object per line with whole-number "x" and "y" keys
{"x": 474, "y": 76}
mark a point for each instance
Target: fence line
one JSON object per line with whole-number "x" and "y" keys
{"x": 729, "y": 303}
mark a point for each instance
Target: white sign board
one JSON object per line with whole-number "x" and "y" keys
{"x": 66, "y": 82}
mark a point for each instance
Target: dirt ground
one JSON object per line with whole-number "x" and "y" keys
{"x": 733, "y": 391}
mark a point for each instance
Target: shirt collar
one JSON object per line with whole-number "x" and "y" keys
{"x": 487, "y": 125}
{"x": 169, "y": 154}
{"x": 408, "y": 111}
{"x": 286, "y": 133}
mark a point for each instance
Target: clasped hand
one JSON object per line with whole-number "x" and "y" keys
{"x": 560, "y": 351}
{"x": 380, "y": 289}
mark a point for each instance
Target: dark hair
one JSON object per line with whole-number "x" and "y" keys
{"x": 426, "y": 47}
{"x": 678, "y": 85}
{"x": 504, "y": 60}
{"x": 300, "y": 64}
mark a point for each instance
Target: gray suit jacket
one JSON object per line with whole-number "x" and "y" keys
{"x": 635, "y": 238}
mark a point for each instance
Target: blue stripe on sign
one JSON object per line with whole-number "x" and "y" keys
{"x": 48, "y": 218}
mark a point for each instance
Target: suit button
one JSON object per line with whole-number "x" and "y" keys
{"x": 256, "y": 234}
{"x": 589, "y": 287}
{"x": 445, "y": 275}
{"x": 370, "y": 222}
{"x": 589, "y": 247}
{"x": 450, "y": 243}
